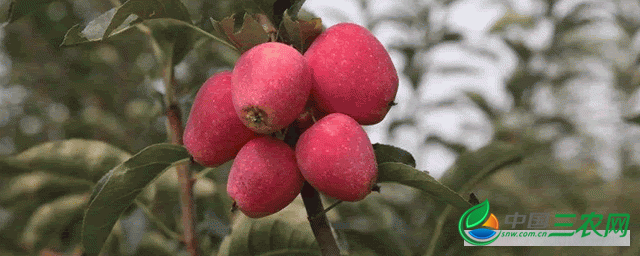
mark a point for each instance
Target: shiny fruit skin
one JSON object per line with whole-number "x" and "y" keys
{"x": 353, "y": 74}
{"x": 336, "y": 157}
{"x": 271, "y": 84}
{"x": 264, "y": 177}
{"x": 214, "y": 133}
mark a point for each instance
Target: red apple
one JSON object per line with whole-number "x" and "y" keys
{"x": 336, "y": 157}
{"x": 214, "y": 134}
{"x": 271, "y": 84}
{"x": 353, "y": 74}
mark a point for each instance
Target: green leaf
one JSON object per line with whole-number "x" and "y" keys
{"x": 284, "y": 233}
{"x": 84, "y": 159}
{"x": 116, "y": 242}
{"x": 94, "y": 31}
{"x": 20, "y": 8}
{"x": 250, "y": 35}
{"x": 477, "y": 214}
{"x": 472, "y": 167}
{"x": 133, "y": 10}
{"x": 301, "y": 33}
{"x": 50, "y": 219}
{"x": 167, "y": 196}
{"x": 115, "y": 192}
{"x": 10, "y": 167}
{"x": 41, "y": 187}
{"x": 407, "y": 175}
{"x": 166, "y": 19}
{"x": 187, "y": 34}
{"x": 388, "y": 153}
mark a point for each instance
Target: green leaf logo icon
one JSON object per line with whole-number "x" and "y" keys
{"x": 477, "y": 214}
{"x": 475, "y": 218}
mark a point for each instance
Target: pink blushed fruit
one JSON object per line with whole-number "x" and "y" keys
{"x": 214, "y": 133}
{"x": 336, "y": 157}
{"x": 353, "y": 74}
{"x": 264, "y": 177}
{"x": 271, "y": 84}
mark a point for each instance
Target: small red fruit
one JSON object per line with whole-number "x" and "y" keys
{"x": 353, "y": 73}
{"x": 214, "y": 133}
{"x": 336, "y": 157}
{"x": 264, "y": 177}
{"x": 271, "y": 84}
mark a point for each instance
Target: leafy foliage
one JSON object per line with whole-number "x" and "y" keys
{"x": 388, "y": 153}
{"x": 284, "y": 233}
{"x": 116, "y": 191}
{"x": 146, "y": 10}
{"x": 474, "y": 167}
{"x": 78, "y": 158}
{"x": 301, "y": 33}
{"x": 407, "y": 175}
{"x": 108, "y": 86}
{"x": 20, "y": 8}
{"x": 50, "y": 219}
{"x": 166, "y": 20}
{"x": 250, "y": 35}
{"x": 49, "y": 186}
{"x": 42, "y": 187}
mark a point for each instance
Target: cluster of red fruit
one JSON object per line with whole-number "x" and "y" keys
{"x": 346, "y": 78}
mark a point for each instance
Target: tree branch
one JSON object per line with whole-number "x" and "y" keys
{"x": 174, "y": 117}
{"x": 318, "y": 221}
{"x": 186, "y": 185}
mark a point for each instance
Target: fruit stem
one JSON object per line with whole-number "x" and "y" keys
{"x": 318, "y": 221}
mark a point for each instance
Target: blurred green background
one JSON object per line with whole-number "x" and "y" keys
{"x": 558, "y": 79}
